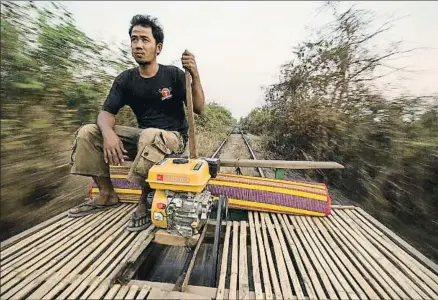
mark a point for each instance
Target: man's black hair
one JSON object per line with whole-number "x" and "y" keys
{"x": 148, "y": 21}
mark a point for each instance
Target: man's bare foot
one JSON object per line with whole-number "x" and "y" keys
{"x": 101, "y": 202}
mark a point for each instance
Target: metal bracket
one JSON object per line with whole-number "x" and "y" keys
{"x": 238, "y": 171}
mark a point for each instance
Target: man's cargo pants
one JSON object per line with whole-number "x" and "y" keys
{"x": 145, "y": 146}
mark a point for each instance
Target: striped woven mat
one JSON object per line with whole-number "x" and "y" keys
{"x": 245, "y": 192}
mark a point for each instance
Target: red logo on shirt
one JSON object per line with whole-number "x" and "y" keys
{"x": 165, "y": 93}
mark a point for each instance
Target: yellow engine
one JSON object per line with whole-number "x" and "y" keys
{"x": 181, "y": 203}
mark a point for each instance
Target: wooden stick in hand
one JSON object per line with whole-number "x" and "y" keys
{"x": 190, "y": 117}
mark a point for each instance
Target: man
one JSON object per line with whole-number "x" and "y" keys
{"x": 156, "y": 94}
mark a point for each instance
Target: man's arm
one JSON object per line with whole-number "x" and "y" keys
{"x": 198, "y": 98}
{"x": 106, "y": 121}
{"x": 197, "y": 94}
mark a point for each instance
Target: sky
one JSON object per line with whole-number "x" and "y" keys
{"x": 240, "y": 46}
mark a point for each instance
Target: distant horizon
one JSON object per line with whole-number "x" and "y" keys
{"x": 240, "y": 46}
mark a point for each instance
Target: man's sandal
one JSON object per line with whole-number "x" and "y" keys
{"x": 94, "y": 208}
{"x": 139, "y": 223}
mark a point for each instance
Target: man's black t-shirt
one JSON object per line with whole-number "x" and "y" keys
{"x": 157, "y": 102}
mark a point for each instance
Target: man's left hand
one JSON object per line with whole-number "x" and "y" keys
{"x": 189, "y": 63}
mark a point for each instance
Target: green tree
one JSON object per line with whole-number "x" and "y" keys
{"x": 215, "y": 118}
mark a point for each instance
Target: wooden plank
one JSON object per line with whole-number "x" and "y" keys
{"x": 47, "y": 261}
{"x": 99, "y": 292}
{"x": 55, "y": 283}
{"x": 157, "y": 294}
{"x": 255, "y": 259}
{"x": 275, "y": 283}
{"x": 136, "y": 249}
{"x": 394, "y": 272}
{"x": 49, "y": 246}
{"x": 190, "y": 117}
{"x": 122, "y": 292}
{"x": 314, "y": 257}
{"x": 79, "y": 284}
{"x": 357, "y": 258}
{"x": 143, "y": 293}
{"x": 288, "y": 260}
{"x": 223, "y": 272}
{"x": 25, "y": 234}
{"x": 301, "y": 260}
{"x": 286, "y": 289}
{"x": 343, "y": 288}
{"x": 285, "y": 164}
{"x": 395, "y": 238}
{"x": 405, "y": 284}
{"x": 417, "y": 267}
{"x": 203, "y": 291}
{"x": 180, "y": 295}
{"x": 109, "y": 271}
{"x": 378, "y": 272}
{"x": 132, "y": 292}
{"x": 20, "y": 248}
{"x": 112, "y": 292}
{"x": 362, "y": 288}
{"x": 243, "y": 264}
{"x": 399, "y": 258}
{"x": 65, "y": 276}
{"x": 68, "y": 273}
{"x": 165, "y": 238}
{"x": 98, "y": 289}
{"x": 264, "y": 265}
{"x": 234, "y": 261}
{"x": 92, "y": 281}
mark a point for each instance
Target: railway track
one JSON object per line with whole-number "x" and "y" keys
{"x": 236, "y": 145}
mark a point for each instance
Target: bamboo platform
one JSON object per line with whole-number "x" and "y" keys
{"x": 348, "y": 255}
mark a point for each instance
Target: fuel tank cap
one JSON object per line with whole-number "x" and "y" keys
{"x": 180, "y": 161}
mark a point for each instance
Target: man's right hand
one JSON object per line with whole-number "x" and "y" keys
{"x": 113, "y": 149}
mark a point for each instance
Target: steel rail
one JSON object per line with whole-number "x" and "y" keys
{"x": 222, "y": 144}
{"x": 253, "y": 156}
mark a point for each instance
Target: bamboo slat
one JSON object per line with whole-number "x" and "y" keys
{"x": 347, "y": 255}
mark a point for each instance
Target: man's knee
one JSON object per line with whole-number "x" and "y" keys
{"x": 88, "y": 131}
{"x": 86, "y": 155}
{"x": 166, "y": 142}
{"x": 147, "y": 136}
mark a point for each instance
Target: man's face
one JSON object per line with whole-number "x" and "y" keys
{"x": 143, "y": 45}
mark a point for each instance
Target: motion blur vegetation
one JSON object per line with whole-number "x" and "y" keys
{"x": 53, "y": 79}
{"x": 328, "y": 107}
